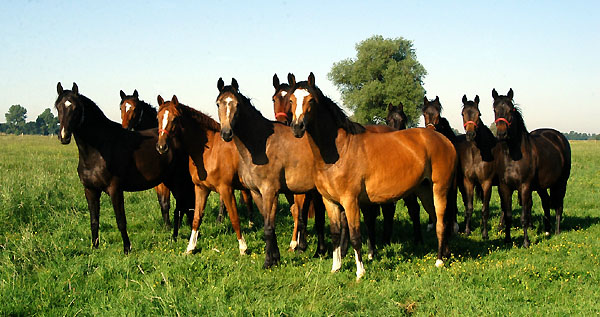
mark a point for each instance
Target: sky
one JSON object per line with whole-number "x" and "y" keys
{"x": 546, "y": 51}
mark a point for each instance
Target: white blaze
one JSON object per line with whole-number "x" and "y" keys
{"x": 127, "y": 107}
{"x": 165, "y": 120}
{"x": 300, "y": 94}
{"x": 228, "y": 101}
{"x": 283, "y": 93}
{"x": 67, "y": 104}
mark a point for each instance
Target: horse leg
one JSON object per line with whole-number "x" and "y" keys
{"x": 506, "y": 205}
{"x": 248, "y": 201}
{"x": 441, "y": 201}
{"x": 164, "y": 200}
{"x": 468, "y": 194}
{"x": 116, "y": 197}
{"x": 370, "y": 212}
{"x": 201, "y": 195}
{"x": 269, "y": 205}
{"x": 222, "y": 210}
{"x": 485, "y": 208}
{"x": 388, "y": 211}
{"x": 302, "y": 221}
{"x": 414, "y": 211}
{"x": 294, "y": 211}
{"x": 557, "y": 197}
{"x": 93, "y": 200}
{"x": 319, "y": 223}
{"x": 344, "y": 236}
{"x": 229, "y": 200}
{"x": 353, "y": 216}
{"x": 526, "y": 212}
{"x": 334, "y": 214}
{"x": 545, "y": 198}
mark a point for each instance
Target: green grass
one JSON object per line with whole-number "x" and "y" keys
{"x": 47, "y": 265}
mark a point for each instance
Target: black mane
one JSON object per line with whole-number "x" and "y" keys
{"x": 444, "y": 128}
{"x": 206, "y": 121}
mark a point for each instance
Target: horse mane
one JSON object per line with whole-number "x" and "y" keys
{"x": 444, "y": 128}
{"x": 519, "y": 121}
{"x": 148, "y": 107}
{"x": 340, "y": 118}
{"x": 204, "y": 120}
{"x": 90, "y": 108}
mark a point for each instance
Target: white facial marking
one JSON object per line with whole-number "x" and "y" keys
{"x": 228, "y": 101}
{"x": 63, "y": 133}
{"x": 283, "y": 93}
{"x": 67, "y": 104}
{"x": 300, "y": 94}
{"x": 165, "y": 121}
{"x": 127, "y": 107}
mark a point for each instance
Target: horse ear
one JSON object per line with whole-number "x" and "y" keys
{"x": 494, "y": 93}
{"x": 425, "y": 101}
{"x": 464, "y": 100}
{"x": 510, "y": 94}
{"x": 476, "y": 100}
{"x": 311, "y": 80}
{"x": 234, "y": 84}
{"x": 175, "y": 101}
{"x": 291, "y": 80}
{"x": 160, "y": 100}
{"x": 275, "y": 82}
{"x": 135, "y": 93}
{"x": 75, "y": 89}
{"x": 390, "y": 107}
{"x": 59, "y": 88}
{"x": 122, "y": 94}
{"x": 400, "y": 106}
{"x": 220, "y": 84}
{"x": 437, "y": 98}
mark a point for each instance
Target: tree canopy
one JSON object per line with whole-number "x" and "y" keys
{"x": 384, "y": 71}
{"x": 46, "y": 123}
{"x": 15, "y": 118}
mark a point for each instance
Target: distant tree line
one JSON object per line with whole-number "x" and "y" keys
{"x": 572, "y": 135}
{"x": 45, "y": 124}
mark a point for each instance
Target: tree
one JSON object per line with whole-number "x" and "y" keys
{"x": 384, "y": 71}
{"x": 15, "y": 119}
{"x": 47, "y": 123}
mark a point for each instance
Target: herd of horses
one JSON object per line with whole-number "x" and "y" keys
{"x": 321, "y": 160}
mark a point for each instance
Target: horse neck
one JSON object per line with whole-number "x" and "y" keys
{"x": 326, "y": 135}
{"x": 148, "y": 118}
{"x": 251, "y": 132}
{"x": 195, "y": 135}
{"x": 444, "y": 128}
{"x": 518, "y": 141}
{"x": 95, "y": 128}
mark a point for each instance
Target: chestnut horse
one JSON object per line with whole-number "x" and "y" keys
{"x": 272, "y": 160}
{"x": 137, "y": 115}
{"x": 213, "y": 164}
{"x": 478, "y": 168}
{"x": 113, "y": 159}
{"x": 353, "y": 165}
{"x": 539, "y": 161}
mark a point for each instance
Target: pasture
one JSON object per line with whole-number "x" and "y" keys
{"x": 47, "y": 265}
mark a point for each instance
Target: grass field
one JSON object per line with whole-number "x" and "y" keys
{"x": 47, "y": 265}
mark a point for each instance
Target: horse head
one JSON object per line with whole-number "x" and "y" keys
{"x": 227, "y": 101}
{"x": 396, "y": 118}
{"x": 282, "y": 109}
{"x": 168, "y": 115}
{"x": 504, "y": 112}
{"x": 431, "y": 112}
{"x": 131, "y": 114}
{"x": 471, "y": 117}
{"x": 70, "y": 111}
{"x": 302, "y": 97}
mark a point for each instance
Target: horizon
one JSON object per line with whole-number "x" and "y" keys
{"x": 544, "y": 51}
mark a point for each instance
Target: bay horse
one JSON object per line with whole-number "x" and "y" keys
{"x": 300, "y": 206}
{"x": 539, "y": 161}
{"x": 137, "y": 115}
{"x": 113, "y": 159}
{"x": 353, "y": 166}
{"x": 213, "y": 163}
{"x": 478, "y": 168}
{"x": 272, "y": 160}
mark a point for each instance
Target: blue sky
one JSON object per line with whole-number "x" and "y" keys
{"x": 546, "y": 51}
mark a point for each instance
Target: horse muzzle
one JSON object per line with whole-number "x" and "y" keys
{"x": 298, "y": 128}
{"x": 162, "y": 148}
{"x": 226, "y": 134}
{"x": 64, "y": 136}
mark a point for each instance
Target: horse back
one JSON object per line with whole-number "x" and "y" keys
{"x": 553, "y": 156}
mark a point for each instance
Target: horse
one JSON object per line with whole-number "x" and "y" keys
{"x": 272, "y": 160}
{"x": 539, "y": 161}
{"x": 433, "y": 120}
{"x": 113, "y": 159}
{"x": 138, "y": 115}
{"x": 477, "y": 165}
{"x": 353, "y": 166}
{"x": 300, "y": 204}
{"x": 213, "y": 164}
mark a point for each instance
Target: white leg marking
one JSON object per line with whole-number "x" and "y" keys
{"x": 165, "y": 121}
{"x": 337, "y": 259}
{"x": 300, "y": 94}
{"x": 430, "y": 227}
{"x": 360, "y": 269}
{"x": 370, "y": 255}
{"x": 456, "y": 227}
{"x": 293, "y": 245}
{"x": 547, "y": 233}
{"x": 439, "y": 263}
{"x": 243, "y": 245}
{"x": 192, "y": 244}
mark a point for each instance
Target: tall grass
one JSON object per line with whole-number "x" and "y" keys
{"x": 47, "y": 265}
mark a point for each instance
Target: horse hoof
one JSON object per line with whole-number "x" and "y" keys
{"x": 243, "y": 246}
{"x": 360, "y": 274}
{"x": 370, "y": 256}
{"x": 439, "y": 263}
{"x": 293, "y": 245}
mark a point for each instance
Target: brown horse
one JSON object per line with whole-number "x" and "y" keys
{"x": 539, "y": 161}
{"x": 113, "y": 159}
{"x": 213, "y": 164}
{"x": 353, "y": 165}
{"x": 478, "y": 168}
{"x": 272, "y": 160}
{"x": 137, "y": 115}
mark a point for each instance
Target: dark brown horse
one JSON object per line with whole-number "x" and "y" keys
{"x": 213, "y": 164}
{"x": 539, "y": 161}
{"x": 113, "y": 159}
{"x": 272, "y": 160}
{"x": 476, "y": 157}
{"x": 137, "y": 115}
{"x": 353, "y": 165}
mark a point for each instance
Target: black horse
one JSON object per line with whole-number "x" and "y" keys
{"x": 113, "y": 159}
{"x": 539, "y": 161}
{"x": 476, "y": 159}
